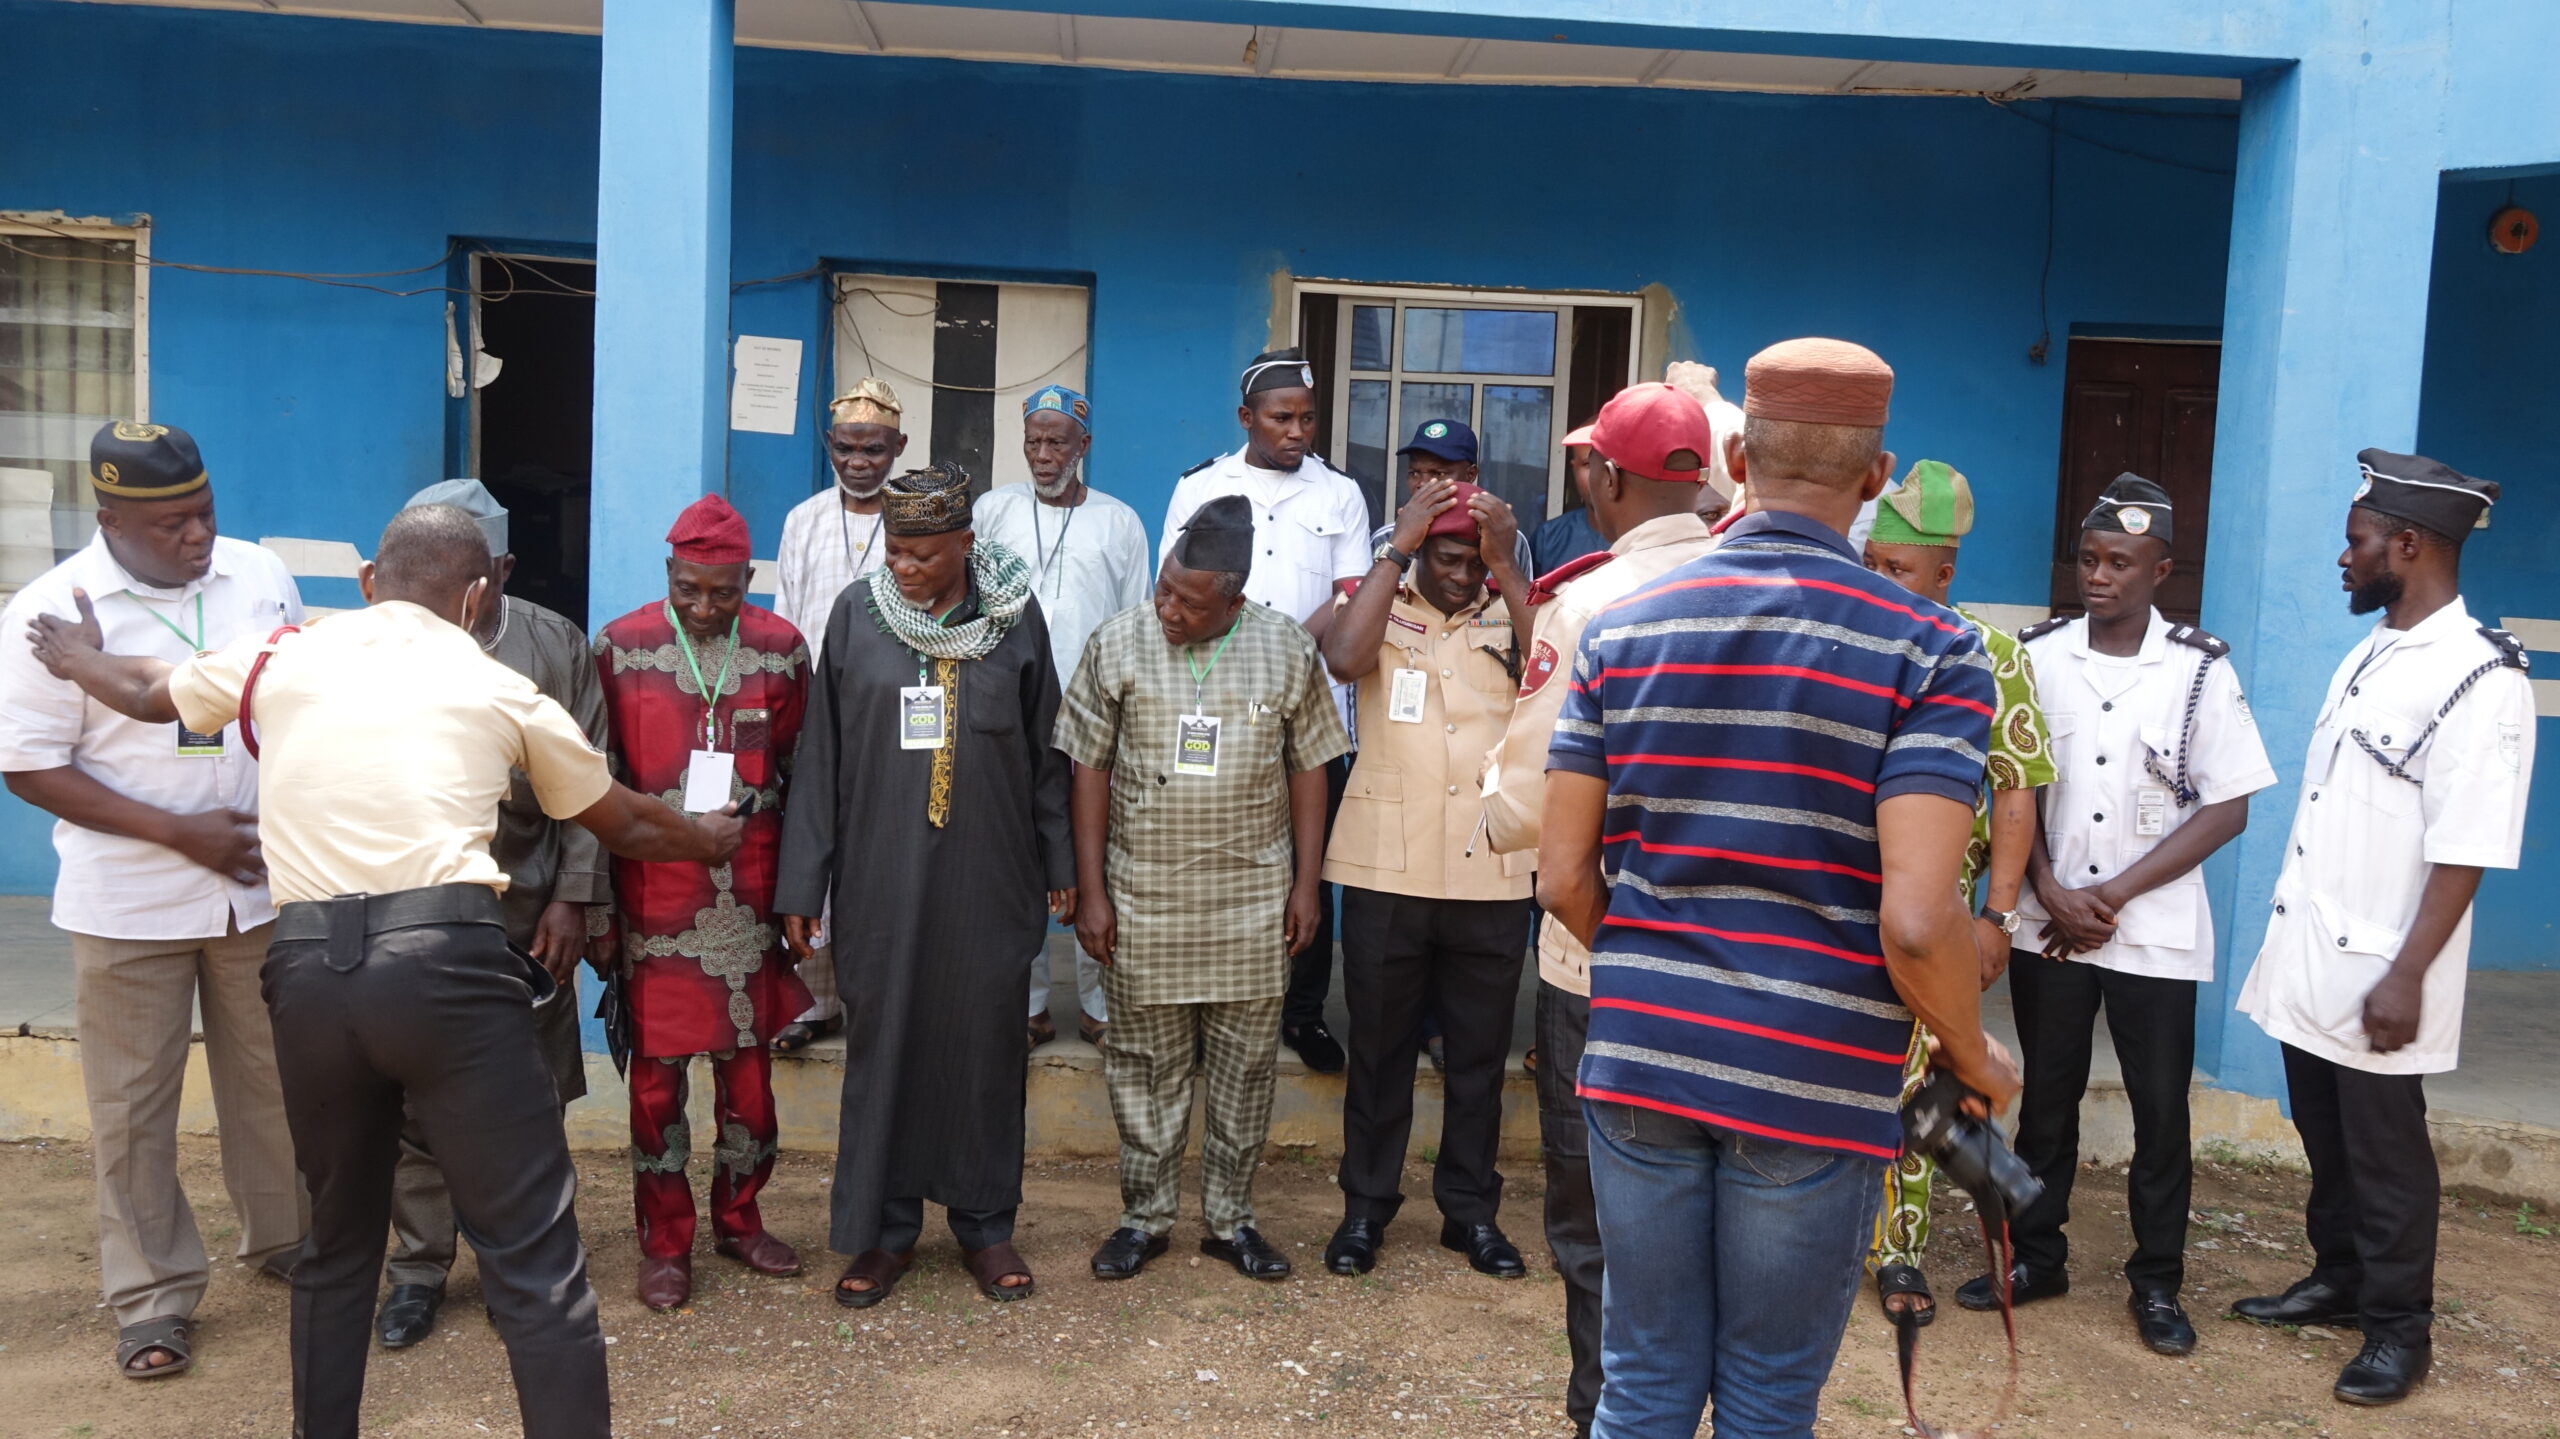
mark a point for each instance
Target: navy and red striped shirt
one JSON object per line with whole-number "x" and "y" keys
{"x": 1749, "y": 710}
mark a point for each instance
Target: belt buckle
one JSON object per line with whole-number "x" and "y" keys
{"x": 345, "y": 952}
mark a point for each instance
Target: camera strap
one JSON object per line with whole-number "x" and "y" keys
{"x": 1906, "y": 1331}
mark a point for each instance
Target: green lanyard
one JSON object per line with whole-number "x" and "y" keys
{"x": 710, "y": 695}
{"x": 195, "y": 642}
{"x": 945, "y": 622}
{"x": 1199, "y": 676}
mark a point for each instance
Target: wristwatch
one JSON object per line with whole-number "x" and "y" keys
{"x": 2007, "y": 919}
{"x": 1387, "y": 551}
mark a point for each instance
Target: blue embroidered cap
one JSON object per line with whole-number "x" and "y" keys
{"x": 1063, "y": 400}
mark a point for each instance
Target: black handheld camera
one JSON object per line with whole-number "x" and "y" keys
{"x": 1969, "y": 1151}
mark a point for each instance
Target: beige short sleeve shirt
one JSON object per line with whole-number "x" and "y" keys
{"x": 387, "y": 737}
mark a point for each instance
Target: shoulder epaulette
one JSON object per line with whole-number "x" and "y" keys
{"x": 2510, "y": 649}
{"x": 1195, "y": 469}
{"x": 2205, "y": 640}
{"x": 1545, "y": 586}
{"x": 2044, "y": 627}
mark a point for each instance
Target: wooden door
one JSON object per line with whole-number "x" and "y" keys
{"x": 2145, "y": 406}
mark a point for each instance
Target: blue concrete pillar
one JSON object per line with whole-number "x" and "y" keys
{"x": 2324, "y": 337}
{"x": 662, "y": 286}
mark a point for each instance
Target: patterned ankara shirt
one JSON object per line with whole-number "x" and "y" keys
{"x": 2021, "y": 753}
{"x": 1749, "y": 710}
{"x": 1199, "y": 865}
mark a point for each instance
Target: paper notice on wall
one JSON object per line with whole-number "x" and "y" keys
{"x": 764, "y": 394}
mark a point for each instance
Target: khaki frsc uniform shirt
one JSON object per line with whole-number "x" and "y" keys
{"x": 388, "y": 737}
{"x": 1515, "y": 777}
{"x": 1411, "y": 822}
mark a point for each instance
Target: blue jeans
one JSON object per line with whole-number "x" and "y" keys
{"x": 1731, "y": 1262}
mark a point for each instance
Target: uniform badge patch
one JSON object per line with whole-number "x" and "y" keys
{"x": 2511, "y": 745}
{"x": 2246, "y": 718}
{"x": 1542, "y": 665}
{"x": 2135, "y": 519}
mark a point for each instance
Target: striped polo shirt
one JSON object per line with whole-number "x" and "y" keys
{"x": 1749, "y": 710}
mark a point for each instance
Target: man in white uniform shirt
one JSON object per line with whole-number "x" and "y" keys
{"x": 829, "y": 540}
{"x": 1310, "y": 530}
{"x": 1088, "y": 557}
{"x": 162, "y": 885}
{"x": 2414, "y": 784}
{"x": 2157, "y": 756}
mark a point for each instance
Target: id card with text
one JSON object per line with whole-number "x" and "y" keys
{"x": 1195, "y": 744}
{"x": 1405, "y": 695}
{"x": 924, "y": 720}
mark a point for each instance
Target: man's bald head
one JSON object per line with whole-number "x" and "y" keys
{"x": 429, "y": 556}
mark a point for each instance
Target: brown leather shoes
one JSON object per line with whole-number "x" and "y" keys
{"x": 762, "y": 1253}
{"x": 666, "y": 1283}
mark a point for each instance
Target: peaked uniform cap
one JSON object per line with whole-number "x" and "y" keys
{"x": 1932, "y": 506}
{"x": 2132, "y": 505}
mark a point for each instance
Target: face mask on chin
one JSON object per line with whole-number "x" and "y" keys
{"x": 872, "y": 492}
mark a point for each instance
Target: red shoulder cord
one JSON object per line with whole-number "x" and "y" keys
{"x": 249, "y": 687}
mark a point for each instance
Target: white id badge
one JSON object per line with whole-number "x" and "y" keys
{"x": 706, "y": 780}
{"x": 1405, "y": 696}
{"x": 199, "y": 746}
{"x": 2150, "y": 812}
{"x": 923, "y": 719}
{"x": 1195, "y": 744}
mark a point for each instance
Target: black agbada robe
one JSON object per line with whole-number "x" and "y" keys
{"x": 933, "y": 928}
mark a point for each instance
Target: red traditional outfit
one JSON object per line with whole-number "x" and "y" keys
{"x": 707, "y": 970}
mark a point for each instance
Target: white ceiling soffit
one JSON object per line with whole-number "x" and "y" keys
{"x": 1189, "y": 47}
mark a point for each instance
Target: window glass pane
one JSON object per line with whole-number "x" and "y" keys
{"x": 66, "y": 367}
{"x": 1424, "y": 403}
{"x": 1480, "y": 342}
{"x": 1365, "y": 453}
{"x": 1369, "y": 327}
{"x": 1514, "y": 440}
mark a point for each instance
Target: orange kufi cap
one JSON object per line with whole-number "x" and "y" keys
{"x": 1818, "y": 382}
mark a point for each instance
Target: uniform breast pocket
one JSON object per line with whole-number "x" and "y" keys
{"x": 1313, "y": 537}
{"x": 2063, "y": 727}
{"x": 2380, "y": 741}
{"x": 1369, "y": 832}
{"x": 1489, "y": 664}
{"x": 750, "y": 730}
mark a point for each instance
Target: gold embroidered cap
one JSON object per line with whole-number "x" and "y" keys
{"x": 931, "y": 501}
{"x": 869, "y": 402}
{"x": 134, "y": 461}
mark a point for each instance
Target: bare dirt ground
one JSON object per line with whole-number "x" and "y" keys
{"x": 1423, "y": 1347}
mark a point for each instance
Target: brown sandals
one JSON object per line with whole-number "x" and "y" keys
{"x": 878, "y": 1267}
{"x": 995, "y": 1264}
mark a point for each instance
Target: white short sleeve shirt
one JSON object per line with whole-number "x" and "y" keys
{"x": 1310, "y": 528}
{"x": 2122, "y": 747}
{"x": 2363, "y": 838}
{"x": 109, "y": 886}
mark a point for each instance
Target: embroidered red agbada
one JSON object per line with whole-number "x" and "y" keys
{"x": 708, "y": 972}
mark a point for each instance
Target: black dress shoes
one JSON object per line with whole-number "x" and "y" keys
{"x": 2384, "y": 1373}
{"x": 1249, "y": 1252}
{"x": 1486, "y": 1250}
{"x": 1354, "y": 1249}
{"x": 1126, "y": 1252}
{"x": 408, "y": 1314}
{"x": 2025, "y": 1288}
{"x": 2308, "y": 1302}
{"x": 1315, "y": 1046}
{"x": 2160, "y": 1321}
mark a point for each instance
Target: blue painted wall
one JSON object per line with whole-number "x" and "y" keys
{"x": 2493, "y": 370}
{"x": 1913, "y": 225}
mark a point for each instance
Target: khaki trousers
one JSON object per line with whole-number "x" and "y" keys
{"x": 137, "y": 1004}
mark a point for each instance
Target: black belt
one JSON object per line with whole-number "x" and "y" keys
{"x": 348, "y": 919}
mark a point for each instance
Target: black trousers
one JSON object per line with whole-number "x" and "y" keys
{"x": 1573, "y": 1223}
{"x": 902, "y": 1224}
{"x": 1402, "y": 958}
{"x": 436, "y": 1022}
{"x": 2153, "y": 1022}
{"x": 2374, "y": 1190}
{"x": 1311, "y": 969}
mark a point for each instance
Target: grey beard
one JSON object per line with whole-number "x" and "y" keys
{"x": 1049, "y": 491}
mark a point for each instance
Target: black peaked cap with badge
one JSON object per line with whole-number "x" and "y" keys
{"x": 2132, "y": 505}
{"x": 135, "y": 461}
{"x": 1218, "y": 537}
{"x": 2423, "y": 492}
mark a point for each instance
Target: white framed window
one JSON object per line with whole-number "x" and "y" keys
{"x": 74, "y": 354}
{"x": 1521, "y": 369}
{"x": 962, "y": 355}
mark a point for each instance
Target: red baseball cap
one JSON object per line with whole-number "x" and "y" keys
{"x": 1655, "y": 431}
